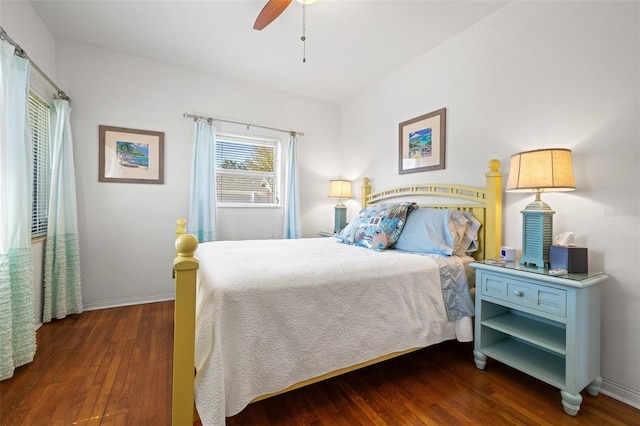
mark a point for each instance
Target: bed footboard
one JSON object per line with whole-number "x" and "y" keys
{"x": 185, "y": 269}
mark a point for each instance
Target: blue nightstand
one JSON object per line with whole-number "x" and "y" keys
{"x": 543, "y": 325}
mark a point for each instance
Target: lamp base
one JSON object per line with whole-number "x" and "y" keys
{"x": 340, "y": 217}
{"x": 537, "y": 233}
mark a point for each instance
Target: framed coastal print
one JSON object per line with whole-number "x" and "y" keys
{"x": 422, "y": 143}
{"x": 130, "y": 155}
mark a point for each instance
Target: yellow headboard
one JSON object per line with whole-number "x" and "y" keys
{"x": 486, "y": 204}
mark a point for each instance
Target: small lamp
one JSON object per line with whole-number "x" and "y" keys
{"x": 544, "y": 170}
{"x": 340, "y": 189}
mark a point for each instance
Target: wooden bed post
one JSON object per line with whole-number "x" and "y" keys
{"x": 493, "y": 235}
{"x": 185, "y": 267}
{"x": 365, "y": 191}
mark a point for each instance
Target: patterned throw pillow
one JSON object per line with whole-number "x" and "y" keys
{"x": 377, "y": 226}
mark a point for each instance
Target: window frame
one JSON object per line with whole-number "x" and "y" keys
{"x": 255, "y": 140}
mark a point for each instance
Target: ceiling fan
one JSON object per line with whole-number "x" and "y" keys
{"x": 272, "y": 10}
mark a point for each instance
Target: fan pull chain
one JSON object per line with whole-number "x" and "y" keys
{"x": 304, "y": 31}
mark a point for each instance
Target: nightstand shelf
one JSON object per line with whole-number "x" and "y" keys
{"x": 545, "y": 326}
{"x": 529, "y": 359}
{"x": 544, "y": 335}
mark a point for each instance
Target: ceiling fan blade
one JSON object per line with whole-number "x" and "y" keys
{"x": 270, "y": 12}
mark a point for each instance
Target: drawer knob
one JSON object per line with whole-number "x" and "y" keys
{"x": 519, "y": 293}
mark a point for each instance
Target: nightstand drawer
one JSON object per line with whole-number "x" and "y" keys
{"x": 539, "y": 297}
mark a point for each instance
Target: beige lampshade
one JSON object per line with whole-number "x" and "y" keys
{"x": 339, "y": 189}
{"x": 548, "y": 170}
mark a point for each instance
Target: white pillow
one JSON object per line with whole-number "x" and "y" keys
{"x": 469, "y": 242}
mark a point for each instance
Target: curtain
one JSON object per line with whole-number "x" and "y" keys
{"x": 292, "y": 228}
{"x": 17, "y": 320}
{"x": 62, "y": 293}
{"x": 202, "y": 194}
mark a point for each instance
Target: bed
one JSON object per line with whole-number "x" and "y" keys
{"x": 250, "y": 328}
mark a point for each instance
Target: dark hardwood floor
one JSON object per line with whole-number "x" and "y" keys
{"x": 113, "y": 367}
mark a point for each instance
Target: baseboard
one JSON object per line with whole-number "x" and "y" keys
{"x": 621, "y": 392}
{"x": 92, "y": 305}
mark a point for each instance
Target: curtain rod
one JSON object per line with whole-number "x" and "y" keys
{"x": 212, "y": 119}
{"x": 20, "y": 52}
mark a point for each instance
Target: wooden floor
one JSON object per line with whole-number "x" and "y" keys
{"x": 113, "y": 367}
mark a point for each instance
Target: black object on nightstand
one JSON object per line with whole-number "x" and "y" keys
{"x": 573, "y": 259}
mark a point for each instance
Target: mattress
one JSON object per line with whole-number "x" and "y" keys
{"x": 273, "y": 313}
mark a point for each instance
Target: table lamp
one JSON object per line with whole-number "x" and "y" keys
{"x": 340, "y": 189}
{"x": 543, "y": 170}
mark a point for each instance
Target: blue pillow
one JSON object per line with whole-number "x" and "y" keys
{"x": 377, "y": 226}
{"x": 439, "y": 231}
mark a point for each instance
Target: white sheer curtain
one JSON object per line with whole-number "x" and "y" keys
{"x": 17, "y": 321}
{"x": 292, "y": 228}
{"x": 62, "y": 292}
{"x": 202, "y": 194}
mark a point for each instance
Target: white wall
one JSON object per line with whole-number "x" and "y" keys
{"x": 533, "y": 75}
{"x": 126, "y": 230}
{"x": 25, "y": 27}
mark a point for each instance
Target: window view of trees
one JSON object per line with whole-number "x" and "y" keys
{"x": 247, "y": 171}
{"x": 262, "y": 159}
{"x": 259, "y": 159}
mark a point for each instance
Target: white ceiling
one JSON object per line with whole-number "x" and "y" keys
{"x": 350, "y": 44}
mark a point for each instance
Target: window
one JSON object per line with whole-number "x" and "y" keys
{"x": 39, "y": 121}
{"x": 247, "y": 170}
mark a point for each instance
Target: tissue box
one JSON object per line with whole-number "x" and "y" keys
{"x": 573, "y": 259}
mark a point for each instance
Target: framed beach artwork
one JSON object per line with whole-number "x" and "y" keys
{"x": 422, "y": 143}
{"x": 130, "y": 155}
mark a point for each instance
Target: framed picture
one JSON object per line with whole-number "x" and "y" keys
{"x": 130, "y": 155}
{"x": 422, "y": 143}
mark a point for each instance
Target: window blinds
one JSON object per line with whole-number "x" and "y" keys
{"x": 39, "y": 122}
{"x": 247, "y": 170}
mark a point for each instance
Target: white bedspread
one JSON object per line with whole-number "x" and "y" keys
{"x": 277, "y": 312}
